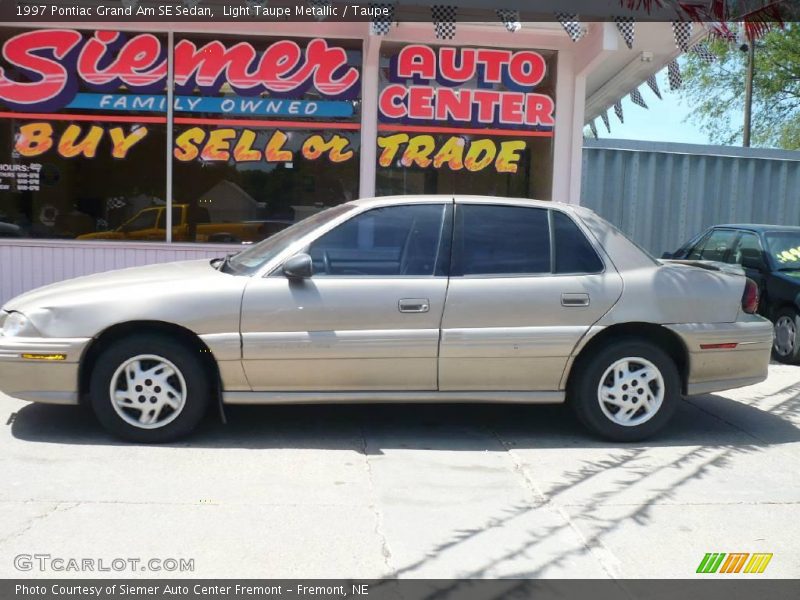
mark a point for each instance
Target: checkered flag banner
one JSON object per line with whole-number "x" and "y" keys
{"x": 703, "y": 53}
{"x": 593, "y": 127}
{"x": 444, "y": 21}
{"x": 682, "y": 31}
{"x": 381, "y": 25}
{"x": 674, "y": 75}
{"x": 626, "y": 27}
{"x": 618, "y": 111}
{"x": 319, "y": 4}
{"x": 636, "y": 98}
{"x": 570, "y": 23}
{"x": 509, "y": 18}
{"x": 653, "y": 84}
{"x": 604, "y": 117}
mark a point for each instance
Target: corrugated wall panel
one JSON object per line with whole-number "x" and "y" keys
{"x": 663, "y": 194}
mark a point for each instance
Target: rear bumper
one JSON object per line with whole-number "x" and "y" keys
{"x": 745, "y": 361}
{"x": 36, "y": 378}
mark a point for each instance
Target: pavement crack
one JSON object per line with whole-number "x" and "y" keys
{"x": 386, "y": 552}
{"x": 32, "y": 521}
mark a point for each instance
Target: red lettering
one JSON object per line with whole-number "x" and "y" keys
{"x": 511, "y": 108}
{"x": 453, "y": 104}
{"x": 137, "y": 64}
{"x": 49, "y": 77}
{"x": 391, "y": 101}
{"x": 486, "y": 101}
{"x": 527, "y": 68}
{"x": 539, "y": 110}
{"x": 493, "y": 61}
{"x": 416, "y": 60}
{"x": 447, "y": 64}
{"x": 327, "y": 61}
{"x": 420, "y": 102}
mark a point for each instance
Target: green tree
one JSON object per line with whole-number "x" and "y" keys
{"x": 716, "y": 90}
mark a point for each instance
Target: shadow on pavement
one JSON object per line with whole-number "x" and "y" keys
{"x": 707, "y": 421}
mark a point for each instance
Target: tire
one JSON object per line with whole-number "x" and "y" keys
{"x": 605, "y": 418}
{"x": 155, "y": 372}
{"x": 786, "y": 346}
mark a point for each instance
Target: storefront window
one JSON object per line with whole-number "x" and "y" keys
{"x": 82, "y": 140}
{"x": 265, "y": 141}
{"x": 466, "y": 120}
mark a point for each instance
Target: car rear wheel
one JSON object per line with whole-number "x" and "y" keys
{"x": 625, "y": 391}
{"x": 149, "y": 388}
{"x": 785, "y": 347}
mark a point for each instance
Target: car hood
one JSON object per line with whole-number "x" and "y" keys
{"x": 190, "y": 293}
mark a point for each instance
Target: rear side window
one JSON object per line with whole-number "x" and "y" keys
{"x": 574, "y": 253}
{"x": 716, "y": 246}
{"x": 502, "y": 240}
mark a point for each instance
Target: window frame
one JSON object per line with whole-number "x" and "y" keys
{"x": 458, "y": 232}
{"x": 728, "y": 249}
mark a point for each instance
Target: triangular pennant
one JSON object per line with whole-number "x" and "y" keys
{"x": 593, "y": 127}
{"x": 618, "y": 111}
{"x": 702, "y": 51}
{"x": 653, "y": 84}
{"x": 604, "y": 117}
{"x": 683, "y": 32}
{"x": 381, "y": 23}
{"x": 636, "y": 98}
{"x": 674, "y": 76}
{"x": 570, "y": 23}
{"x": 444, "y": 21}
{"x": 626, "y": 28}
{"x": 509, "y": 18}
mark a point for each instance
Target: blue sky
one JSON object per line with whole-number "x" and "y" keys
{"x": 664, "y": 121}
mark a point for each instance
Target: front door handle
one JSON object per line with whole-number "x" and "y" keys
{"x": 571, "y": 300}
{"x": 414, "y": 305}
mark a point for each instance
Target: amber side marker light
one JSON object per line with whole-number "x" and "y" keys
{"x": 45, "y": 356}
{"x": 728, "y": 346}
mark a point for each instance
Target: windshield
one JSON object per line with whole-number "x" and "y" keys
{"x": 250, "y": 260}
{"x": 783, "y": 248}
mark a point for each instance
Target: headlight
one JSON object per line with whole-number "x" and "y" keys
{"x": 15, "y": 324}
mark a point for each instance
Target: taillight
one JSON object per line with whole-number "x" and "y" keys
{"x": 750, "y": 297}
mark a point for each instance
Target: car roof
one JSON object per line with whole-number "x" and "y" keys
{"x": 756, "y": 227}
{"x": 458, "y": 198}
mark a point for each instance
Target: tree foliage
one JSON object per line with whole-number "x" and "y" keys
{"x": 716, "y": 91}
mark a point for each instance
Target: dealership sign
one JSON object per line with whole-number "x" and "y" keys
{"x": 477, "y": 86}
{"x": 48, "y": 67}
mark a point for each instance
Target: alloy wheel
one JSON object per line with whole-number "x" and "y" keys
{"x": 785, "y": 335}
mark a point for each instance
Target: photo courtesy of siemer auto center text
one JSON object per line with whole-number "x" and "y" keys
{"x": 399, "y": 299}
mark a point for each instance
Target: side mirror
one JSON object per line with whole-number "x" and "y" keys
{"x": 299, "y": 266}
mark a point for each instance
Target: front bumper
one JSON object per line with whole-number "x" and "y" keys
{"x": 713, "y": 367}
{"x": 27, "y": 374}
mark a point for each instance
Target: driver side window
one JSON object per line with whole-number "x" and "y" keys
{"x": 387, "y": 241}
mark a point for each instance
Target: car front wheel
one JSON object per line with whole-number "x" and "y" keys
{"x": 149, "y": 388}
{"x": 625, "y": 391}
{"x": 785, "y": 348}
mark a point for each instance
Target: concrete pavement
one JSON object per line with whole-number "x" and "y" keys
{"x": 411, "y": 491}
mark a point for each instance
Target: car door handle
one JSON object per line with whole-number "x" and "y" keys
{"x": 575, "y": 300}
{"x": 414, "y": 305}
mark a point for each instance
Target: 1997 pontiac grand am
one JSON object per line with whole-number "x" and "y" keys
{"x": 404, "y": 299}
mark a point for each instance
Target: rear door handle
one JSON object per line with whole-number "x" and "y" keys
{"x": 414, "y": 305}
{"x": 574, "y": 300}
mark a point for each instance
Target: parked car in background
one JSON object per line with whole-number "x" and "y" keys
{"x": 405, "y": 299}
{"x": 151, "y": 224}
{"x": 770, "y": 256}
{"x": 10, "y": 230}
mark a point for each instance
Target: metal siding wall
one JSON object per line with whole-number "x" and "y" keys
{"x": 663, "y": 194}
{"x": 28, "y": 264}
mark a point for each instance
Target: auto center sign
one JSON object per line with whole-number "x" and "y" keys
{"x": 412, "y": 95}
